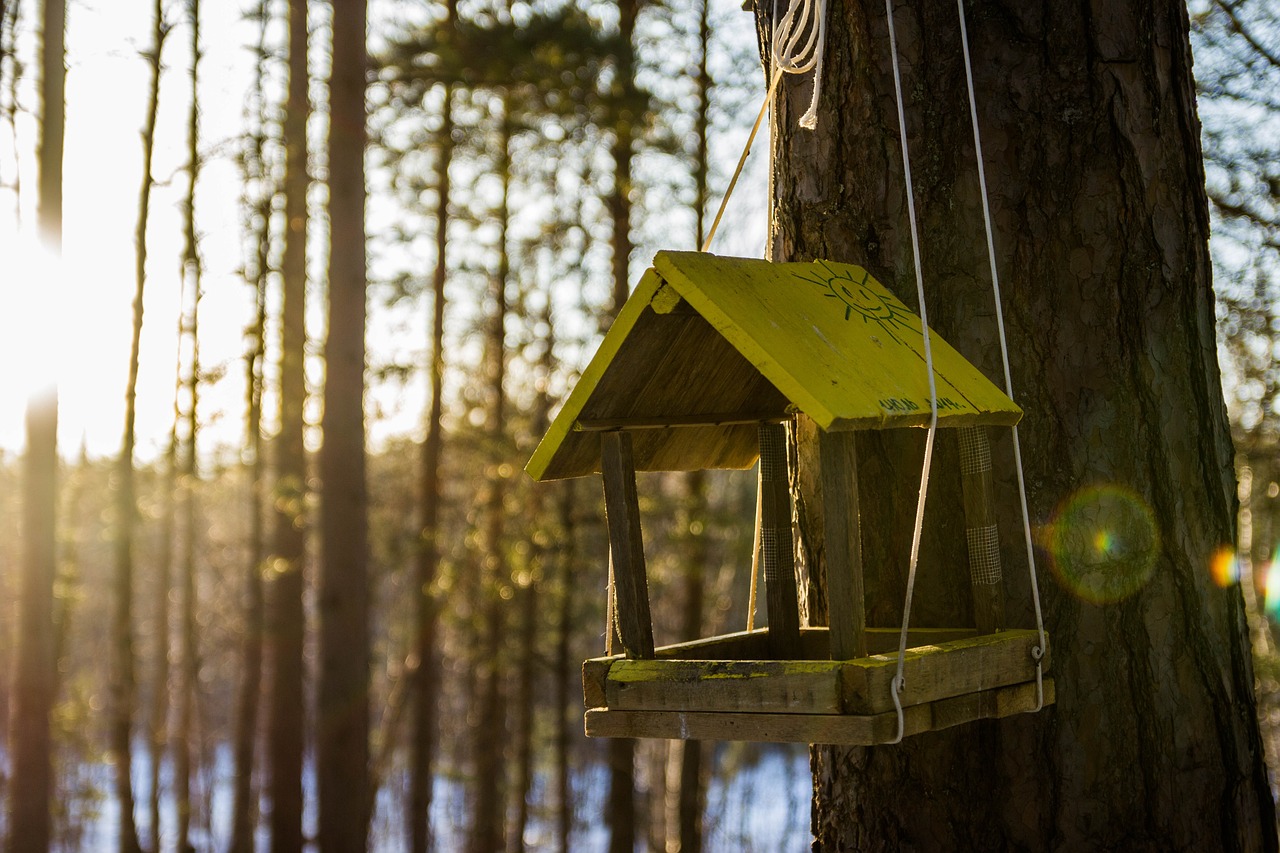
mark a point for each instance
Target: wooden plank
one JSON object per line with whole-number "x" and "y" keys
{"x": 843, "y": 552}
{"x": 853, "y": 730}
{"x": 776, "y": 553}
{"x": 981, "y": 532}
{"x": 834, "y": 340}
{"x": 947, "y": 669}
{"x": 672, "y": 422}
{"x": 540, "y": 465}
{"x": 797, "y": 687}
{"x": 622, "y": 515}
{"x": 594, "y": 673}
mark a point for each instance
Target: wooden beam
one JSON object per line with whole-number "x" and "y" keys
{"x": 670, "y": 422}
{"x": 838, "y": 473}
{"x": 797, "y": 687}
{"x": 981, "y": 533}
{"x": 861, "y": 730}
{"x": 622, "y": 515}
{"x": 935, "y": 672}
{"x": 861, "y": 686}
{"x": 776, "y": 555}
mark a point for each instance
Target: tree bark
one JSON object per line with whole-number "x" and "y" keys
{"x": 488, "y": 826}
{"x": 126, "y": 499}
{"x": 621, "y": 815}
{"x": 35, "y": 669}
{"x": 342, "y": 748}
{"x": 244, "y": 810}
{"x": 566, "y": 705}
{"x": 286, "y": 619}
{"x": 1097, "y": 194}
{"x": 427, "y": 558}
{"x": 188, "y": 681}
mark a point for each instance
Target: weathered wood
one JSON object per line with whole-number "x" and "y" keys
{"x": 710, "y": 337}
{"x": 594, "y": 673}
{"x": 676, "y": 421}
{"x": 860, "y": 686}
{"x": 776, "y": 555}
{"x": 947, "y": 669}
{"x": 847, "y": 729}
{"x": 981, "y": 532}
{"x": 814, "y": 644}
{"x": 843, "y": 552}
{"x": 622, "y": 515}
{"x": 797, "y": 687}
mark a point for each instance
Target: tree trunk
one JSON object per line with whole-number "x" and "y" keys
{"x": 342, "y": 748}
{"x": 35, "y": 669}
{"x": 427, "y": 558}
{"x": 566, "y": 704}
{"x": 188, "y": 675}
{"x": 244, "y": 798}
{"x": 1092, "y": 142}
{"x": 621, "y": 814}
{"x": 126, "y": 499}
{"x": 488, "y": 820}
{"x": 286, "y": 620}
{"x": 163, "y": 584}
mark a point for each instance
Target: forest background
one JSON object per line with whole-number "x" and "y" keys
{"x": 524, "y": 162}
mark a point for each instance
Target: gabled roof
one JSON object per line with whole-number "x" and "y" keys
{"x": 706, "y": 347}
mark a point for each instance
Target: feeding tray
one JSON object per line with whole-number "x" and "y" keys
{"x": 726, "y": 688}
{"x": 717, "y": 363}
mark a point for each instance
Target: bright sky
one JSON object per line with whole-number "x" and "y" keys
{"x": 84, "y": 321}
{"x": 89, "y": 327}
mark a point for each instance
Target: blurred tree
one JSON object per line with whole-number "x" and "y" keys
{"x": 188, "y": 676}
{"x": 1237, "y": 47}
{"x": 257, "y": 203}
{"x": 35, "y": 669}
{"x": 123, "y": 665}
{"x": 342, "y": 730}
{"x": 286, "y": 618}
{"x": 1097, "y": 198}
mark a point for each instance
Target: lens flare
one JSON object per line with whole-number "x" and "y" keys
{"x": 1224, "y": 568}
{"x": 1271, "y": 581}
{"x": 1103, "y": 542}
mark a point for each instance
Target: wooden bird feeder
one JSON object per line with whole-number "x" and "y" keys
{"x": 706, "y": 366}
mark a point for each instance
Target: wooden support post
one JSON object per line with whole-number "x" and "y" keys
{"x": 839, "y": 496}
{"x": 983, "y": 538}
{"x": 776, "y": 554}
{"x": 622, "y": 515}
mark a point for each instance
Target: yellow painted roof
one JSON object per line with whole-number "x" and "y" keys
{"x": 727, "y": 342}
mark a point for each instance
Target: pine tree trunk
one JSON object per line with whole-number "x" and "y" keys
{"x": 32, "y": 698}
{"x": 488, "y": 821}
{"x": 566, "y": 704}
{"x": 188, "y": 675}
{"x": 160, "y": 675}
{"x": 1093, "y": 160}
{"x": 126, "y": 499}
{"x": 342, "y": 748}
{"x": 427, "y": 559}
{"x": 244, "y": 797}
{"x": 621, "y": 815}
{"x": 286, "y": 619}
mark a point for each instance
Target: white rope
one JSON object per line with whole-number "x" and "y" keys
{"x": 899, "y": 682}
{"x": 1038, "y": 651}
{"x": 804, "y": 20}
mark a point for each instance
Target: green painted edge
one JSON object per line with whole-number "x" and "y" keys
{"x": 560, "y": 428}
{"x": 636, "y": 671}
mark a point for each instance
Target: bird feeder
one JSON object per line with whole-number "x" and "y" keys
{"x": 708, "y": 365}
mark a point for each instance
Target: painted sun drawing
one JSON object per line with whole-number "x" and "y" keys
{"x": 857, "y": 297}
